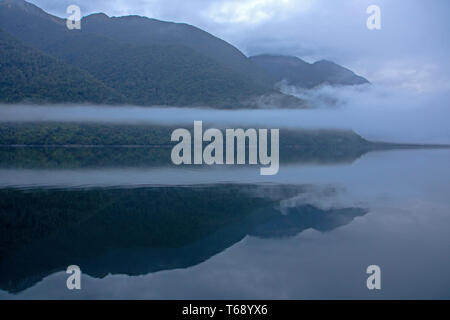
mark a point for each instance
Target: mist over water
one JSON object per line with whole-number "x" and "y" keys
{"x": 402, "y": 194}
{"x": 405, "y": 232}
{"x": 375, "y": 112}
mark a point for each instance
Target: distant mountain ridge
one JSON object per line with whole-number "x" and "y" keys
{"x": 138, "y": 60}
{"x": 146, "y": 73}
{"x": 307, "y": 75}
{"x": 145, "y": 31}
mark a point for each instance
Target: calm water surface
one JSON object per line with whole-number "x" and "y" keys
{"x": 229, "y": 233}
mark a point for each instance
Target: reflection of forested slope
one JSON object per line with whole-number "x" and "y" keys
{"x": 92, "y": 157}
{"x": 322, "y": 146}
{"x": 84, "y": 145}
{"x": 51, "y": 133}
{"x": 137, "y": 231}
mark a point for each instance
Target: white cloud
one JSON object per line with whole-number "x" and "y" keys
{"x": 254, "y": 11}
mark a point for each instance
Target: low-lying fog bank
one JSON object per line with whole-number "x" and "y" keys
{"x": 374, "y": 112}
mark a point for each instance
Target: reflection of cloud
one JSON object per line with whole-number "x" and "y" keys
{"x": 321, "y": 198}
{"x": 309, "y": 266}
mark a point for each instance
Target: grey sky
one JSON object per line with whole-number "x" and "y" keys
{"x": 410, "y": 51}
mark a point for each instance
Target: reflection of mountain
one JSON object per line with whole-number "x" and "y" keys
{"x": 149, "y": 145}
{"x": 299, "y": 146}
{"x": 120, "y": 157}
{"x": 137, "y": 231}
{"x": 305, "y": 217}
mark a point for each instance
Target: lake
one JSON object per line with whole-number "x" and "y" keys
{"x": 166, "y": 232}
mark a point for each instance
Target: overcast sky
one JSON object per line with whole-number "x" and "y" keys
{"x": 411, "y": 50}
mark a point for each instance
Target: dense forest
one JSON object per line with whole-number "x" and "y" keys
{"x": 26, "y": 74}
{"x": 139, "y": 61}
{"x": 104, "y": 69}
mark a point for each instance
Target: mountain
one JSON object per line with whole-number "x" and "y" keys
{"x": 30, "y": 75}
{"x": 300, "y": 73}
{"x": 157, "y": 70}
{"x": 144, "y": 31}
{"x": 156, "y": 75}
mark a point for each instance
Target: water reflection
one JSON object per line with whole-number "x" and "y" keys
{"x": 308, "y": 232}
{"x": 146, "y": 157}
{"x": 138, "y": 231}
